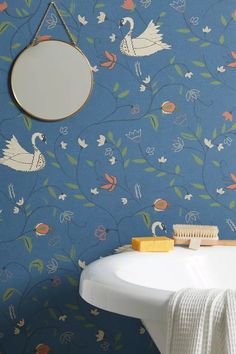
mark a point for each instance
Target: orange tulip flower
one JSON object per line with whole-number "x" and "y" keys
{"x": 232, "y": 186}
{"x": 3, "y": 6}
{"x": 112, "y": 183}
{"x": 112, "y": 59}
{"x": 128, "y": 5}
{"x": 233, "y": 64}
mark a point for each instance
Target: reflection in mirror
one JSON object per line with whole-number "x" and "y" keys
{"x": 51, "y": 80}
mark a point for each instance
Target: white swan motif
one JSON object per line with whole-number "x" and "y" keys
{"x": 17, "y": 158}
{"x": 147, "y": 43}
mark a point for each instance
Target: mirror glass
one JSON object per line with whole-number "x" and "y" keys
{"x": 51, "y": 80}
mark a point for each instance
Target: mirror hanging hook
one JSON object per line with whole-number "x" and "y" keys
{"x": 51, "y": 4}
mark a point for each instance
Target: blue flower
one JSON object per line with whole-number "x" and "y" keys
{"x": 178, "y": 5}
{"x": 134, "y": 135}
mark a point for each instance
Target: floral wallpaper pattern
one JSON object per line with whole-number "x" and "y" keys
{"x": 156, "y": 142}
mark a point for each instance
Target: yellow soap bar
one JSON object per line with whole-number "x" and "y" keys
{"x": 152, "y": 244}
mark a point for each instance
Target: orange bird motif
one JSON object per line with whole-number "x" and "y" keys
{"x": 232, "y": 186}
{"x": 112, "y": 183}
{"x": 112, "y": 59}
{"x": 233, "y": 63}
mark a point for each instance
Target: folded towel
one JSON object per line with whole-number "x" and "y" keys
{"x": 202, "y": 322}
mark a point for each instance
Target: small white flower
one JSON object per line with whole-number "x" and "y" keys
{"x": 206, "y": 29}
{"x": 162, "y": 159}
{"x": 124, "y": 201}
{"x": 21, "y": 323}
{"x": 16, "y": 331}
{"x": 63, "y": 145}
{"x": 82, "y": 143}
{"x": 94, "y": 312}
{"x": 20, "y": 201}
{"x": 220, "y": 147}
{"x": 208, "y": 143}
{"x": 81, "y": 264}
{"x": 82, "y": 20}
{"x": 100, "y": 335}
{"x": 101, "y": 141}
{"x": 221, "y": 69}
{"x": 188, "y": 75}
{"x": 16, "y": 210}
{"x": 101, "y": 17}
{"x": 220, "y": 191}
{"x": 112, "y": 160}
{"x": 142, "y": 88}
{"x": 142, "y": 330}
{"x": 147, "y": 79}
{"x": 94, "y": 68}
{"x": 112, "y": 37}
{"x": 62, "y": 318}
{"x": 62, "y": 196}
{"x": 94, "y": 191}
{"x": 188, "y": 196}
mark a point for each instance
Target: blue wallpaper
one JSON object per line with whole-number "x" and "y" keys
{"x": 156, "y": 141}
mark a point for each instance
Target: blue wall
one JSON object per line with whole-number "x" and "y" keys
{"x": 176, "y": 167}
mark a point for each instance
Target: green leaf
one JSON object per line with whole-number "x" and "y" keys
{"x": 15, "y": 45}
{"x": 197, "y": 159}
{"x": 72, "y": 281}
{"x": 124, "y": 151}
{"x": 215, "y": 204}
{"x": 73, "y": 252}
{"x": 154, "y": 120}
{"x": 198, "y": 63}
{"x": 27, "y": 242}
{"x": 53, "y": 314}
{"x": 172, "y": 60}
{"x": 72, "y": 7}
{"x": 150, "y": 169}
{"x": 146, "y": 218}
{"x": 118, "y": 337}
{"x": 72, "y": 185}
{"x": 18, "y": 12}
{"x": 79, "y": 196}
{"x": 25, "y": 12}
{"x": 172, "y": 182}
{"x": 72, "y": 307}
{"x": 161, "y": 174}
{"x": 223, "y": 20}
{"x": 4, "y": 26}
{"x": 90, "y": 163}
{"x": 194, "y": 39}
{"x": 52, "y": 192}
{"x": 205, "y": 44}
{"x": 27, "y": 122}
{"x": 188, "y": 136}
{"x": 99, "y": 5}
{"x": 177, "y": 169}
{"x": 116, "y": 87}
{"x": 233, "y": 127}
{"x": 28, "y": 2}
{"x": 139, "y": 161}
{"x": 90, "y": 40}
{"x": 8, "y": 59}
{"x": 216, "y": 163}
{"x": 204, "y": 196}
{"x": 178, "y": 192}
{"x": 45, "y": 183}
{"x": 222, "y": 39}
{"x": 123, "y": 94}
{"x": 199, "y": 132}
{"x": 62, "y": 257}
{"x": 232, "y": 204}
{"x": 198, "y": 185}
{"x": 216, "y": 82}
{"x": 38, "y": 264}
{"x": 206, "y": 75}
{"x": 118, "y": 347}
{"x": 89, "y": 205}
{"x": 179, "y": 70}
{"x": 126, "y": 163}
{"x": 214, "y": 133}
{"x": 56, "y": 164}
{"x": 119, "y": 142}
{"x": 8, "y": 294}
{"x": 183, "y": 30}
{"x": 162, "y": 14}
{"x": 72, "y": 160}
{"x": 80, "y": 318}
{"x": 51, "y": 154}
{"x": 111, "y": 137}
{"x": 223, "y": 129}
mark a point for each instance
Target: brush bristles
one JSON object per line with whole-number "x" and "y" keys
{"x": 198, "y": 231}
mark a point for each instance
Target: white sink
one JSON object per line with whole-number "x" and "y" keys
{"x": 140, "y": 284}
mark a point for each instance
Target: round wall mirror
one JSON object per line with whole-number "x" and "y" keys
{"x": 51, "y": 80}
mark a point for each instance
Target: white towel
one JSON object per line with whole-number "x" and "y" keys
{"x": 202, "y": 322}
